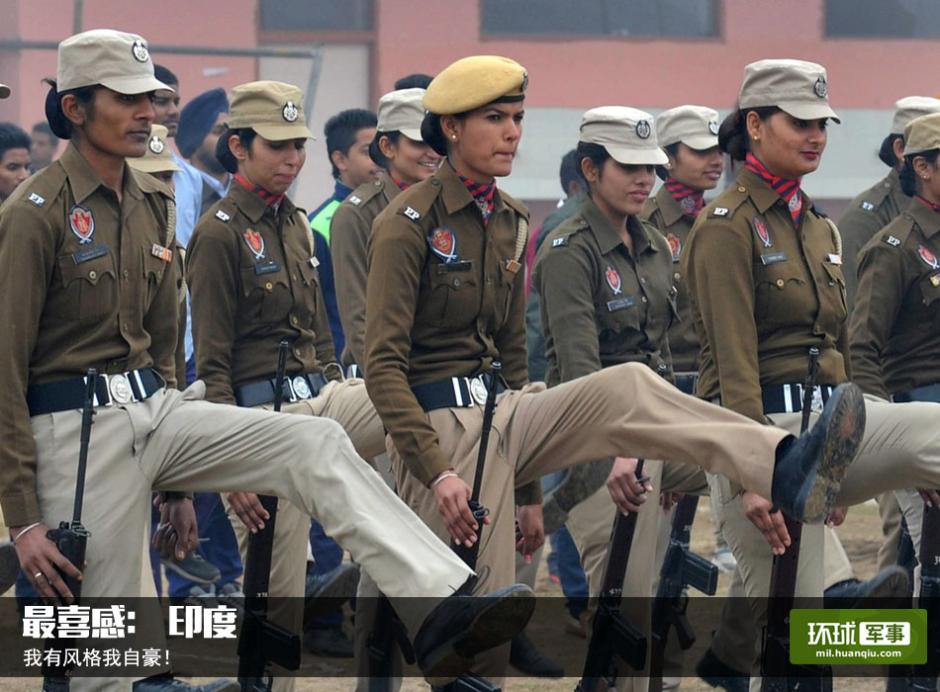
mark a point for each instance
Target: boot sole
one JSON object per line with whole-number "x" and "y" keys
{"x": 844, "y": 433}
{"x": 492, "y": 627}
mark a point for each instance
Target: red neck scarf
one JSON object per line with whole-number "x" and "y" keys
{"x": 268, "y": 198}
{"x": 787, "y": 188}
{"x": 689, "y": 199}
{"x": 482, "y": 194}
{"x": 401, "y": 186}
{"x": 928, "y": 203}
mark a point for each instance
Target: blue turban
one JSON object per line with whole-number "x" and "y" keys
{"x": 197, "y": 118}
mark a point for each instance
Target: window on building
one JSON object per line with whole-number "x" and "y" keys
{"x": 883, "y": 18}
{"x": 625, "y": 18}
{"x": 308, "y": 15}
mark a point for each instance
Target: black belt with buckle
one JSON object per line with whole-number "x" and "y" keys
{"x": 110, "y": 390}
{"x": 788, "y": 398}
{"x": 295, "y": 388}
{"x": 686, "y": 382}
{"x": 454, "y": 392}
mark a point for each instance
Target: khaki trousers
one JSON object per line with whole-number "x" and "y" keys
{"x": 911, "y": 505}
{"x": 890, "y": 513}
{"x": 349, "y": 405}
{"x": 900, "y": 449}
{"x": 176, "y": 441}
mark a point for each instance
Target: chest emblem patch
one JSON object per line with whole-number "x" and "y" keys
{"x": 443, "y": 243}
{"x": 761, "y": 231}
{"x": 613, "y": 280}
{"x": 82, "y": 223}
{"x": 675, "y": 246}
{"x": 929, "y": 258}
{"x": 255, "y": 243}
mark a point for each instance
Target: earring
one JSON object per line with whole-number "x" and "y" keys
{"x": 454, "y": 137}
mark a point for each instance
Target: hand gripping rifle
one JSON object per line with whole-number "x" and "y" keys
{"x": 612, "y": 637}
{"x": 71, "y": 538}
{"x": 262, "y": 642}
{"x": 778, "y": 674}
{"x": 470, "y": 682}
{"x": 681, "y": 568}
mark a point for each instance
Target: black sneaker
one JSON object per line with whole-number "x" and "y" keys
{"x": 195, "y": 568}
{"x": 525, "y": 657}
{"x": 717, "y": 673}
{"x": 167, "y": 683}
{"x": 326, "y": 593}
{"x": 330, "y": 642}
{"x": 891, "y": 582}
{"x": 810, "y": 469}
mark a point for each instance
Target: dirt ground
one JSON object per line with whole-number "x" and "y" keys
{"x": 860, "y": 536}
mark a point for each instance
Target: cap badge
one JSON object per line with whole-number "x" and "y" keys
{"x": 643, "y": 129}
{"x": 525, "y": 82}
{"x": 443, "y": 243}
{"x": 139, "y": 51}
{"x": 675, "y": 246}
{"x": 820, "y": 88}
{"x": 255, "y": 243}
{"x": 761, "y": 231}
{"x": 713, "y": 126}
{"x": 929, "y": 258}
{"x": 82, "y": 223}
{"x": 290, "y": 112}
{"x": 156, "y": 145}
{"x": 613, "y": 280}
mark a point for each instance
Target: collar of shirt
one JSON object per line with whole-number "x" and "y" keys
{"x": 401, "y": 186}
{"x": 84, "y": 181}
{"x": 787, "y": 188}
{"x": 763, "y": 196}
{"x": 265, "y": 196}
{"x": 926, "y": 215}
{"x": 455, "y": 194}
{"x": 483, "y": 196}
{"x": 607, "y": 236}
{"x": 252, "y": 206}
{"x": 668, "y": 206}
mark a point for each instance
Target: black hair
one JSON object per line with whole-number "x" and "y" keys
{"x": 165, "y": 75}
{"x": 433, "y": 134}
{"x": 224, "y": 155}
{"x": 13, "y": 137}
{"x": 375, "y": 151}
{"x": 732, "y": 135}
{"x": 43, "y": 128}
{"x": 672, "y": 150}
{"x": 60, "y": 125}
{"x": 341, "y": 130}
{"x": 595, "y": 152}
{"x": 886, "y": 152}
{"x": 570, "y": 171}
{"x": 418, "y": 80}
{"x": 908, "y": 176}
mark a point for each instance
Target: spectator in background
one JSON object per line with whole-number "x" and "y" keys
{"x": 14, "y": 158}
{"x": 166, "y": 102}
{"x": 418, "y": 80}
{"x": 43, "y": 149}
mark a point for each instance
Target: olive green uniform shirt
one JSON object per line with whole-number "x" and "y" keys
{"x": 245, "y": 301}
{"x": 867, "y": 214}
{"x": 759, "y": 305}
{"x": 601, "y": 304}
{"x": 895, "y": 325}
{"x": 665, "y": 214}
{"x": 109, "y": 303}
{"x": 427, "y": 319}
{"x": 349, "y": 245}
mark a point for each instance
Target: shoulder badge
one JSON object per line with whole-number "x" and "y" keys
{"x": 867, "y": 206}
{"x": 222, "y": 216}
{"x": 411, "y": 213}
{"x": 443, "y": 242}
{"x": 38, "y": 200}
{"x": 353, "y": 199}
{"x": 929, "y": 258}
{"x": 720, "y": 211}
{"x": 761, "y": 231}
{"x": 82, "y": 223}
{"x": 613, "y": 280}
{"x": 560, "y": 241}
{"x": 892, "y": 241}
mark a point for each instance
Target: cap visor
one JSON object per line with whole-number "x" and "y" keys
{"x": 413, "y": 135}
{"x": 700, "y": 142}
{"x": 4, "y": 91}
{"x": 145, "y": 165}
{"x": 279, "y": 133}
{"x": 134, "y": 85}
{"x": 654, "y": 156}
{"x": 808, "y": 111}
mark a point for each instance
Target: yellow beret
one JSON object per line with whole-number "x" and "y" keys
{"x": 476, "y": 81}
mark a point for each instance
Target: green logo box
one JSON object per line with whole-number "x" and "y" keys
{"x": 858, "y": 637}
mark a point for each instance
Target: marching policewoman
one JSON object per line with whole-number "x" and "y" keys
{"x": 445, "y": 300}
{"x": 763, "y": 269}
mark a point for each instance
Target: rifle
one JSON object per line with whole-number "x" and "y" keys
{"x": 611, "y": 635}
{"x": 681, "y": 568}
{"x": 263, "y": 642}
{"x": 71, "y": 537}
{"x": 469, "y": 682}
{"x": 776, "y": 651}
{"x": 924, "y": 677}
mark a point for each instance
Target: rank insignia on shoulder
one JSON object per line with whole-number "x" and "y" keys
{"x": 720, "y": 211}
{"x": 38, "y": 200}
{"x": 867, "y": 206}
{"x": 892, "y": 241}
{"x": 314, "y": 262}
{"x": 222, "y": 216}
{"x": 353, "y": 199}
{"x": 164, "y": 253}
{"x": 560, "y": 242}
{"x": 411, "y": 213}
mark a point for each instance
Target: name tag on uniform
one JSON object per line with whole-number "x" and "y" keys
{"x": 462, "y": 266}
{"x": 267, "y": 268}
{"x": 773, "y": 258}
{"x": 91, "y": 253}
{"x": 835, "y": 259}
{"x": 164, "y": 253}
{"x": 620, "y": 304}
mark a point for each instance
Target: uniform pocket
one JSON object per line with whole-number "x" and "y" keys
{"x": 310, "y": 278}
{"x": 836, "y": 280}
{"x": 780, "y": 294}
{"x": 267, "y": 295}
{"x": 455, "y": 295}
{"x": 620, "y": 314}
{"x": 930, "y": 295}
{"x": 89, "y": 289}
{"x": 153, "y": 269}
